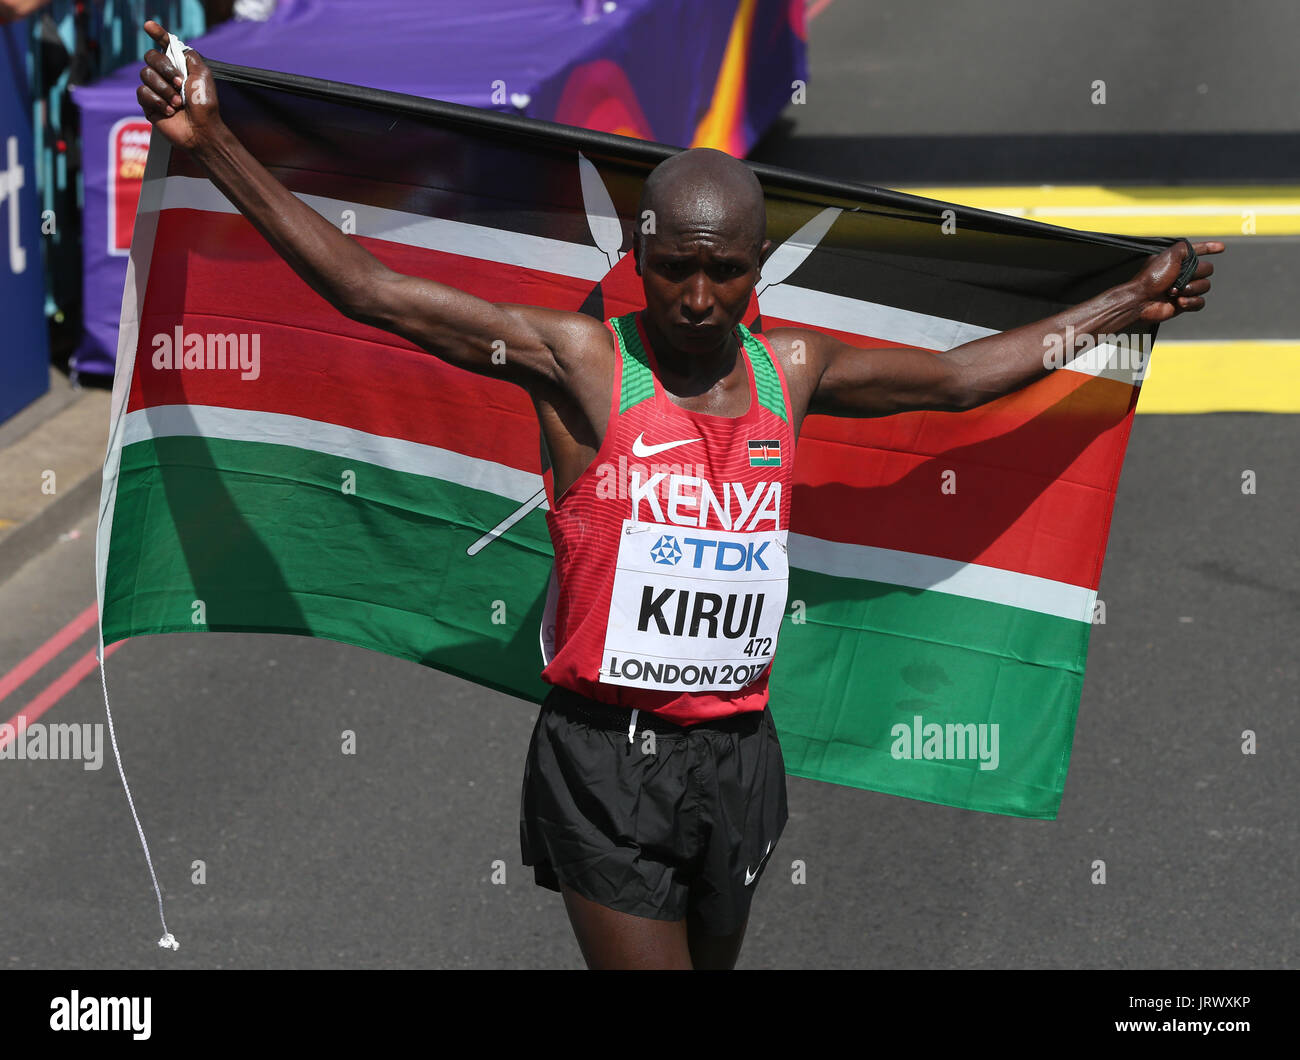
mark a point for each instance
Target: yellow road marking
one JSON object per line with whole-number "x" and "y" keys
{"x": 1238, "y": 210}
{"x": 1260, "y": 375}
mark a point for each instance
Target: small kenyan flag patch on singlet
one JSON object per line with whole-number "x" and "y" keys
{"x": 765, "y": 454}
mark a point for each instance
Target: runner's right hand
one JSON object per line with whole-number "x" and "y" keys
{"x": 187, "y": 124}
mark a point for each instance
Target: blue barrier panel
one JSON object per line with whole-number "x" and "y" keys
{"x": 24, "y": 350}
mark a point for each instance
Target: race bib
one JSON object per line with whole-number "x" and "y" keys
{"x": 694, "y": 610}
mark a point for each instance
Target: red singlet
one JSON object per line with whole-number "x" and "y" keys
{"x": 670, "y": 574}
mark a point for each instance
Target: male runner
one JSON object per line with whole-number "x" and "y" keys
{"x": 654, "y": 791}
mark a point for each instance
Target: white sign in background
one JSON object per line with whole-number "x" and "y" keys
{"x": 12, "y": 178}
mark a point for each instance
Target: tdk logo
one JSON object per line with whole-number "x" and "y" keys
{"x": 666, "y": 550}
{"x": 727, "y": 555}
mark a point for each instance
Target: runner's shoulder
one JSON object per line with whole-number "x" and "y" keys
{"x": 579, "y": 343}
{"x": 801, "y": 355}
{"x": 794, "y": 347}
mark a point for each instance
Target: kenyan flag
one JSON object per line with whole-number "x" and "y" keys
{"x": 274, "y": 466}
{"x": 765, "y": 453}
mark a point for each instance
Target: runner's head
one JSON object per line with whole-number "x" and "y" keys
{"x": 700, "y": 260}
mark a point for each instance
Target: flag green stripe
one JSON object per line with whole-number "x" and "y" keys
{"x": 899, "y": 653}
{"x": 258, "y": 518}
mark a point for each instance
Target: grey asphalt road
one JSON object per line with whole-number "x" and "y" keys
{"x": 385, "y": 858}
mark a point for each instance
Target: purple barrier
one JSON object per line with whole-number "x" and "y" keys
{"x": 656, "y": 69}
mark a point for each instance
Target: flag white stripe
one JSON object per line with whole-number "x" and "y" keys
{"x": 935, "y": 574}
{"x": 858, "y": 562}
{"x": 332, "y": 439}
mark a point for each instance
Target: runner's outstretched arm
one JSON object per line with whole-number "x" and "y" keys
{"x": 846, "y": 380}
{"x": 449, "y": 323}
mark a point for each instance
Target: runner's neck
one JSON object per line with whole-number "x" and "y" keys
{"x": 704, "y": 372}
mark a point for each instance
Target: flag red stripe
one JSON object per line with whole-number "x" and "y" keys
{"x": 1022, "y": 495}
{"x": 345, "y": 372}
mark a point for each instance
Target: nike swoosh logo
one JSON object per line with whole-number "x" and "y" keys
{"x": 750, "y": 877}
{"x": 641, "y": 449}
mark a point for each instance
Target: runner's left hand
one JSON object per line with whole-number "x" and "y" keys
{"x": 1155, "y": 282}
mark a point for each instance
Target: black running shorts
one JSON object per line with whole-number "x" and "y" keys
{"x": 681, "y": 826}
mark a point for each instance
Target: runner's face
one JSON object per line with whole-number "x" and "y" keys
{"x": 698, "y": 278}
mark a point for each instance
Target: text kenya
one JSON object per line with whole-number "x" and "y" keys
{"x": 690, "y": 500}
